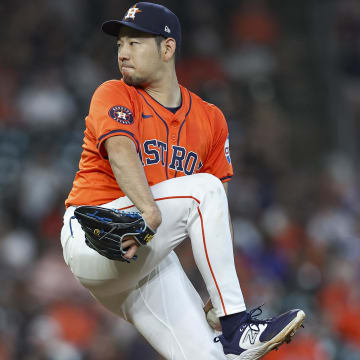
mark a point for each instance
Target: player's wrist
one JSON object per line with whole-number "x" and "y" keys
{"x": 152, "y": 216}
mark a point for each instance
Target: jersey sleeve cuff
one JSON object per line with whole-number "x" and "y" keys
{"x": 102, "y": 138}
{"x": 225, "y": 179}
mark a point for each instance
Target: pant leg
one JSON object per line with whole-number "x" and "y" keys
{"x": 193, "y": 205}
{"x": 166, "y": 309}
{"x": 112, "y": 277}
{"x": 206, "y": 217}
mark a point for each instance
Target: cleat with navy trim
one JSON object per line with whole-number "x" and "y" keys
{"x": 255, "y": 337}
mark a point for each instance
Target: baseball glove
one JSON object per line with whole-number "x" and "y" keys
{"x": 105, "y": 230}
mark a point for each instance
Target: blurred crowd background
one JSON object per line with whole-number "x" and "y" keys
{"x": 287, "y": 76}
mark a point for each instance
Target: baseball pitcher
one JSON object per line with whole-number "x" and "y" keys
{"x": 154, "y": 172}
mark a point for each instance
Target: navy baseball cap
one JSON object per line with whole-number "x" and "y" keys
{"x": 149, "y": 18}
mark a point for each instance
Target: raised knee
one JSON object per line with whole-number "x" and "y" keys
{"x": 211, "y": 179}
{"x": 208, "y": 183}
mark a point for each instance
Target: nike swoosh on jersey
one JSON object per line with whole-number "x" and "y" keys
{"x": 146, "y": 116}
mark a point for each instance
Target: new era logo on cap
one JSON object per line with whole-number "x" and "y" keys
{"x": 167, "y": 29}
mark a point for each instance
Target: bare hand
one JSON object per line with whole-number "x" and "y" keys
{"x": 211, "y": 317}
{"x": 130, "y": 245}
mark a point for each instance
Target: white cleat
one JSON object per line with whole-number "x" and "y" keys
{"x": 254, "y": 337}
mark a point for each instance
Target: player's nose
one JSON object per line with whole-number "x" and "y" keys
{"x": 123, "y": 53}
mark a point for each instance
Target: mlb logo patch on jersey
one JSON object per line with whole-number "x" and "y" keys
{"x": 227, "y": 150}
{"x": 121, "y": 114}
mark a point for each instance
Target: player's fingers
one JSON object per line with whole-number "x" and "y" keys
{"x": 129, "y": 241}
{"x": 131, "y": 251}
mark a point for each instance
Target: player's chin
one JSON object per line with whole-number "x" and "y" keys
{"x": 132, "y": 81}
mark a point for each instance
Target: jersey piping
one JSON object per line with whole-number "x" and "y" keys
{"x": 119, "y": 131}
{"x": 182, "y": 124}
{"x": 225, "y": 178}
{"x": 167, "y": 133}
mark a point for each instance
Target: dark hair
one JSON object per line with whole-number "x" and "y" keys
{"x": 159, "y": 39}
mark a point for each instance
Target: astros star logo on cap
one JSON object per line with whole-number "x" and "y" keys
{"x": 132, "y": 12}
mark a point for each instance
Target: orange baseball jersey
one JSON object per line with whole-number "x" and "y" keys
{"x": 193, "y": 140}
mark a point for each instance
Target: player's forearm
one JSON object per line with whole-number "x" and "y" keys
{"x": 131, "y": 178}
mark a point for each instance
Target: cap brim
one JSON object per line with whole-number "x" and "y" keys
{"x": 112, "y": 27}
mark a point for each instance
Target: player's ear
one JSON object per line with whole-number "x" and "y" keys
{"x": 168, "y": 49}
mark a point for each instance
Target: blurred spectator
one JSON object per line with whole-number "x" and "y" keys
{"x": 44, "y": 102}
{"x": 17, "y": 249}
{"x": 8, "y": 87}
{"x": 253, "y": 32}
{"x": 39, "y": 187}
{"x": 348, "y": 26}
{"x": 253, "y": 22}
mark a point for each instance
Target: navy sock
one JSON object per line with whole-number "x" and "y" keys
{"x": 229, "y": 323}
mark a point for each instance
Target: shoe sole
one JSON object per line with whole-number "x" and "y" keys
{"x": 284, "y": 336}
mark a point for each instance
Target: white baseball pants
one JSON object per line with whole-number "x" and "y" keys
{"x": 154, "y": 293}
